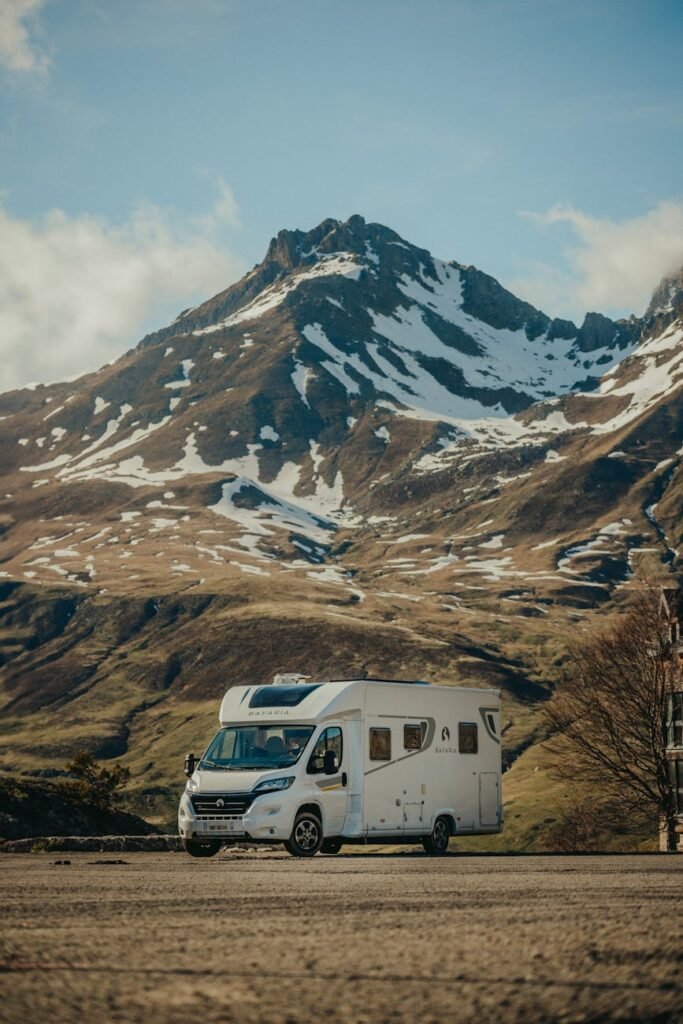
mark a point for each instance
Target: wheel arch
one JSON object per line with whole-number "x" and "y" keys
{"x": 449, "y": 816}
{"x": 312, "y": 808}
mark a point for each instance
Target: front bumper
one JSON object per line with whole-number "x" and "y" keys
{"x": 267, "y": 819}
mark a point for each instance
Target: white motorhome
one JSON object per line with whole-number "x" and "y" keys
{"x": 315, "y": 765}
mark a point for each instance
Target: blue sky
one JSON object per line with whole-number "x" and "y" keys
{"x": 540, "y": 140}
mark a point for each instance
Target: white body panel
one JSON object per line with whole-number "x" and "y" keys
{"x": 366, "y": 799}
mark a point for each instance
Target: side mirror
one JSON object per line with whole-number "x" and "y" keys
{"x": 330, "y": 762}
{"x": 189, "y": 764}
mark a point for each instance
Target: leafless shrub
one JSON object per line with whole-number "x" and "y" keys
{"x": 579, "y": 830}
{"x": 608, "y": 717}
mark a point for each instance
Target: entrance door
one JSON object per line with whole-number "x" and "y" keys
{"x": 383, "y": 794}
{"x": 331, "y": 790}
{"x": 488, "y": 799}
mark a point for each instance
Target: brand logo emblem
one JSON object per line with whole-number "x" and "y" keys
{"x": 445, "y": 733}
{"x": 220, "y": 802}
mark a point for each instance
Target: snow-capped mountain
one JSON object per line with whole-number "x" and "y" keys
{"x": 389, "y": 452}
{"x": 346, "y": 359}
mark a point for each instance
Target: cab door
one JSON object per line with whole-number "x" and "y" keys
{"x": 327, "y": 771}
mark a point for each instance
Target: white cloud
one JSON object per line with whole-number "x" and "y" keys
{"x": 223, "y": 213}
{"x": 615, "y": 266}
{"x": 77, "y": 292}
{"x": 18, "y": 51}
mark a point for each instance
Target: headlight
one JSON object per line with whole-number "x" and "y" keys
{"x": 192, "y": 786}
{"x": 274, "y": 785}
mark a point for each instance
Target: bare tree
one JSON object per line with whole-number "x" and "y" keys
{"x": 609, "y": 714}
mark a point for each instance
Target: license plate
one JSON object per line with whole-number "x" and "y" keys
{"x": 222, "y": 827}
{"x": 236, "y": 826}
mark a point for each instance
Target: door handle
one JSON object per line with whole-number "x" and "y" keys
{"x": 344, "y": 778}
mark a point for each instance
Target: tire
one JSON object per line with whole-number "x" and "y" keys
{"x": 202, "y": 847}
{"x": 436, "y": 843}
{"x": 307, "y": 835}
{"x": 330, "y": 846}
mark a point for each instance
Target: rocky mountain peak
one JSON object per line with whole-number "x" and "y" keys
{"x": 292, "y": 249}
{"x": 599, "y": 332}
{"x": 667, "y": 298}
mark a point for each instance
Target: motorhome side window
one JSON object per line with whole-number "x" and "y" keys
{"x": 412, "y": 737}
{"x": 468, "y": 737}
{"x": 329, "y": 739}
{"x": 380, "y": 744}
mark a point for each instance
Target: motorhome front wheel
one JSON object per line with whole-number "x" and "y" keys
{"x": 201, "y": 847}
{"x": 306, "y": 837}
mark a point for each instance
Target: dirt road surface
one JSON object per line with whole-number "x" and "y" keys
{"x": 261, "y": 937}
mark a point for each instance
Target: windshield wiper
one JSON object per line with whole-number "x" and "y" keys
{"x": 252, "y": 766}
{"x": 204, "y": 763}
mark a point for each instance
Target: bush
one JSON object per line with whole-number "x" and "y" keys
{"x": 97, "y": 785}
{"x": 578, "y": 831}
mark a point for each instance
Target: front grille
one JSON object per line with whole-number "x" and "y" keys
{"x": 233, "y": 804}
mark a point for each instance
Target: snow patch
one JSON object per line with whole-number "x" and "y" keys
{"x": 301, "y": 375}
{"x": 494, "y": 542}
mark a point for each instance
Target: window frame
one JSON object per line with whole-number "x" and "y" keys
{"x": 420, "y": 736}
{"x": 321, "y": 737}
{"x": 464, "y": 745}
{"x": 676, "y": 779}
{"x": 374, "y": 729}
{"x": 674, "y": 730}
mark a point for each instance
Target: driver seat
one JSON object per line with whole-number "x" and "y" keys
{"x": 275, "y": 746}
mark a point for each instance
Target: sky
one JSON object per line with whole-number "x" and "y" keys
{"x": 149, "y": 150}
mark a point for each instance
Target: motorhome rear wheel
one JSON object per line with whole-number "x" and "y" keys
{"x": 437, "y": 842}
{"x": 307, "y": 835}
{"x": 202, "y": 847}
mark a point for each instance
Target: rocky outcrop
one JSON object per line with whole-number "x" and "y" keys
{"x": 31, "y": 807}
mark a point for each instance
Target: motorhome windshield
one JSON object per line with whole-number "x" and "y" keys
{"x": 250, "y": 747}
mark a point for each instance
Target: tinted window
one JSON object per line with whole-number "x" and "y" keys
{"x": 676, "y": 771}
{"x": 412, "y": 737}
{"x": 329, "y": 739}
{"x": 280, "y": 696}
{"x": 468, "y": 737}
{"x": 676, "y": 720}
{"x": 380, "y": 744}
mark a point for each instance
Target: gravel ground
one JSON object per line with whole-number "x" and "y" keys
{"x": 261, "y": 937}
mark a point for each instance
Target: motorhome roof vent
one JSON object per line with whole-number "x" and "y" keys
{"x": 281, "y": 696}
{"x": 289, "y": 678}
